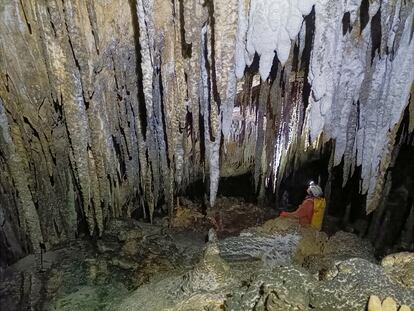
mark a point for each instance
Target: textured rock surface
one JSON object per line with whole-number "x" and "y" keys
{"x": 271, "y": 249}
{"x": 354, "y": 281}
{"x": 400, "y": 267}
{"x": 281, "y": 288}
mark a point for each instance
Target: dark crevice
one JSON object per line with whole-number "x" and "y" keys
{"x": 358, "y": 125}
{"x": 186, "y": 84}
{"x": 163, "y": 118}
{"x": 205, "y": 55}
{"x": 81, "y": 224}
{"x": 125, "y": 139}
{"x": 52, "y": 180}
{"x": 376, "y": 34}
{"x": 92, "y": 21}
{"x": 188, "y": 122}
{"x": 274, "y": 69}
{"x": 56, "y": 227}
{"x": 58, "y": 111}
{"x": 34, "y": 131}
{"x": 120, "y": 157}
{"x": 78, "y": 66}
{"x": 186, "y": 49}
{"x": 7, "y": 83}
{"x": 133, "y": 124}
{"x": 211, "y": 21}
{"x": 295, "y": 59}
{"x": 114, "y": 70}
{"x": 253, "y": 69}
{"x": 51, "y": 22}
{"x": 202, "y": 130}
{"x": 346, "y": 23}
{"x": 306, "y": 55}
{"x": 109, "y": 178}
{"x": 364, "y": 14}
{"x": 53, "y": 157}
{"x": 73, "y": 52}
{"x": 142, "y": 112}
{"x": 29, "y": 27}
{"x": 282, "y": 82}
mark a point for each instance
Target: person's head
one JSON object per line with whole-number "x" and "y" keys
{"x": 314, "y": 190}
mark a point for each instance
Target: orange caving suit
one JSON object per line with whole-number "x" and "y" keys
{"x": 310, "y": 212}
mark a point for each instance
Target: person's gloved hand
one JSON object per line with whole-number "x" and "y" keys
{"x": 389, "y": 304}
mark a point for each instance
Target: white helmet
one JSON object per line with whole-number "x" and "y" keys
{"x": 315, "y": 190}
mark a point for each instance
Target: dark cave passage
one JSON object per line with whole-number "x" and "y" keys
{"x": 238, "y": 186}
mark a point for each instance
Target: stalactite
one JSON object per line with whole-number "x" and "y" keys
{"x": 272, "y": 26}
{"x": 335, "y": 93}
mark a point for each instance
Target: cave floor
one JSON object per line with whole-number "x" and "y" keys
{"x": 273, "y": 265}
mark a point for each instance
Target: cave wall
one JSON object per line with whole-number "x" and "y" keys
{"x": 69, "y": 117}
{"x": 107, "y": 106}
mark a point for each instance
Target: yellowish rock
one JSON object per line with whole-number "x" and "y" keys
{"x": 374, "y": 303}
{"x": 405, "y": 308}
{"x": 389, "y": 304}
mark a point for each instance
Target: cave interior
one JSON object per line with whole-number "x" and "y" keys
{"x": 150, "y": 147}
